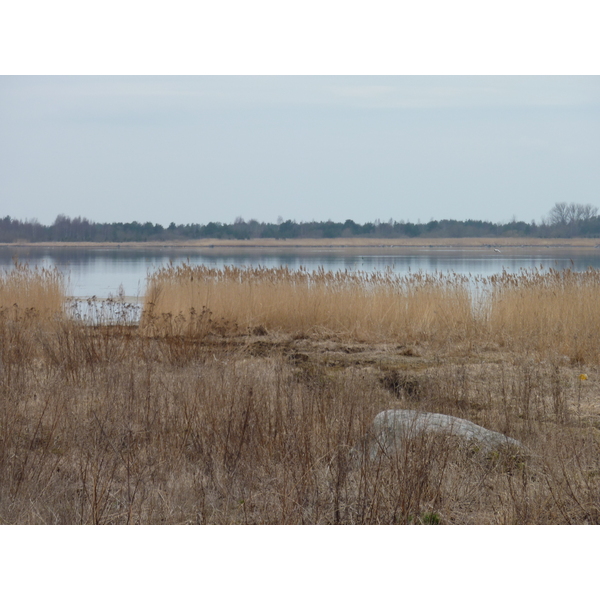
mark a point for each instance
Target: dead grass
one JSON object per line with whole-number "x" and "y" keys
{"x": 420, "y": 242}
{"x": 120, "y": 428}
{"x": 40, "y": 291}
{"x": 218, "y": 424}
{"x": 547, "y": 311}
{"x": 358, "y": 305}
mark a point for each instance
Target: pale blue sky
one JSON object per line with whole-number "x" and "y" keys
{"x": 203, "y": 148}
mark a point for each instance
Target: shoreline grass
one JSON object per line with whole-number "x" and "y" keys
{"x": 547, "y": 311}
{"x": 339, "y": 243}
{"x": 352, "y": 303}
{"x": 232, "y": 423}
{"x": 28, "y": 291}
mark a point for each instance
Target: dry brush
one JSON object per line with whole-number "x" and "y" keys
{"x": 220, "y": 422}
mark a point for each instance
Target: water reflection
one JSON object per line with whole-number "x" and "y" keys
{"x": 101, "y": 271}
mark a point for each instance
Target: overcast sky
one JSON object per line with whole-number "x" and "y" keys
{"x": 203, "y": 148}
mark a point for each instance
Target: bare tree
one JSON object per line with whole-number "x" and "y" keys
{"x": 569, "y": 214}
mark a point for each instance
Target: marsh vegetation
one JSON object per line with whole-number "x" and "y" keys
{"x": 248, "y": 396}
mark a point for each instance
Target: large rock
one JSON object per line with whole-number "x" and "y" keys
{"x": 392, "y": 426}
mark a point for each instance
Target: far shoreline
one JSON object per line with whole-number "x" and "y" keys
{"x": 334, "y": 243}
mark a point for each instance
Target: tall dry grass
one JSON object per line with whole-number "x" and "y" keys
{"x": 30, "y": 302}
{"x": 42, "y": 292}
{"x": 546, "y": 311}
{"x": 356, "y": 304}
{"x": 115, "y": 428}
{"x": 102, "y": 423}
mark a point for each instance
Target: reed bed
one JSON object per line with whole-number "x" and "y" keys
{"x": 200, "y": 415}
{"x": 40, "y": 292}
{"x": 354, "y": 304}
{"x": 546, "y": 311}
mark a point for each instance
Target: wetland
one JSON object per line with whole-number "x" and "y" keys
{"x": 246, "y": 394}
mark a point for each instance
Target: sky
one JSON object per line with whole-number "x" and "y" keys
{"x": 195, "y": 149}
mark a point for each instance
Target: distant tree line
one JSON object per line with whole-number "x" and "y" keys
{"x": 563, "y": 221}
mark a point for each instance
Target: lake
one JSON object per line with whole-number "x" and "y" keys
{"x": 100, "y": 271}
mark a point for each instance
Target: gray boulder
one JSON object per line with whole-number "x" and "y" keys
{"x": 392, "y": 426}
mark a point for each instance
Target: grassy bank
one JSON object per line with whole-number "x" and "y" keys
{"x": 39, "y": 294}
{"x": 357, "y": 305}
{"x": 547, "y": 311}
{"x": 335, "y": 243}
{"x": 258, "y": 414}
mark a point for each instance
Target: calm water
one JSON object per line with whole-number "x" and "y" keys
{"x": 99, "y": 272}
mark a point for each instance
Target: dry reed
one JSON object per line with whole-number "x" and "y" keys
{"x": 552, "y": 312}
{"x": 102, "y": 423}
{"x": 549, "y": 311}
{"x": 40, "y": 291}
{"x": 355, "y": 304}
